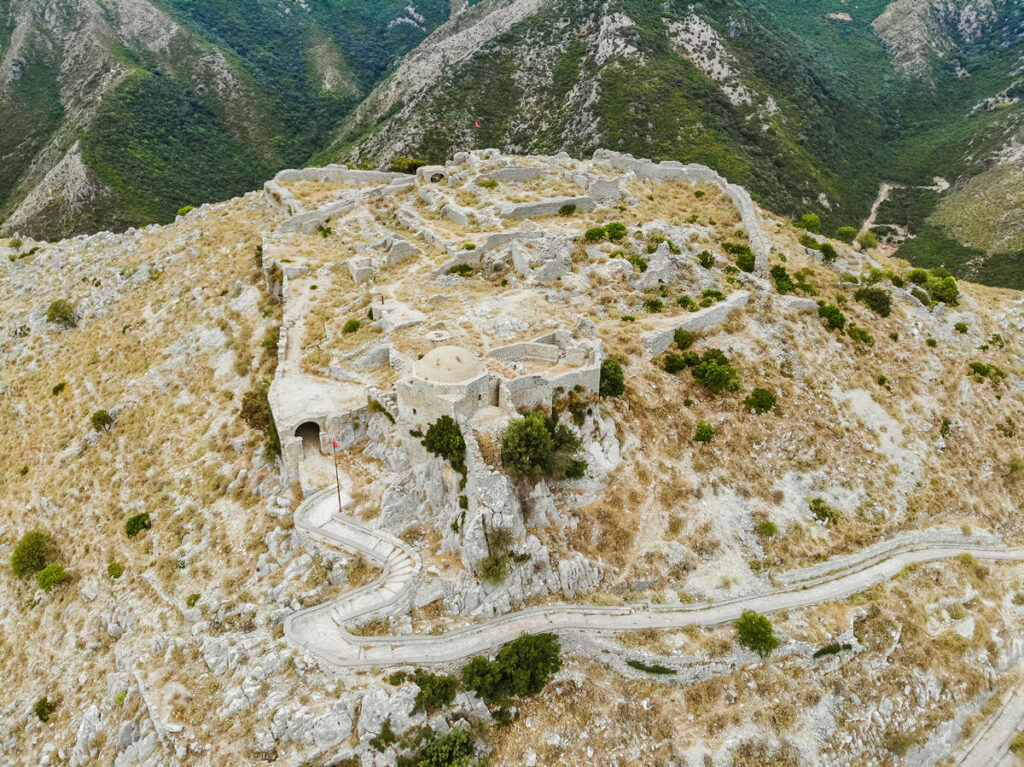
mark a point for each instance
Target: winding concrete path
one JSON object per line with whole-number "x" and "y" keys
{"x": 991, "y": 746}
{"x": 322, "y": 630}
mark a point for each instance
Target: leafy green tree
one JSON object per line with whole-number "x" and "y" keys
{"x": 435, "y": 692}
{"x": 828, "y": 252}
{"x": 683, "y": 338}
{"x": 136, "y": 524}
{"x": 675, "y": 363}
{"x": 867, "y": 240}
{"x": 760, "y": 401}
{"x": 444, "y": 439}
{"x": 613, "y": 380}
{"x": 811, "y": 222}
{"x": 522, "y": 668}
{"x": 33, "y": 552}
{"x": 453, "y": 749}
{"x": 847, "y": 234}
{"x": 755, "y": 632}
{"x": 536, "y": 446}
{"x": 704, "y": 432}
{"x": 715, "y": 373}
{"x": 877, "y": 299}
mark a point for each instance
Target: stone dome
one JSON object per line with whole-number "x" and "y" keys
{"x": 448, "y": 365}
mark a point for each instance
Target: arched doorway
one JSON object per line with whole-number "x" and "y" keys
{"x": 309, "y": 433}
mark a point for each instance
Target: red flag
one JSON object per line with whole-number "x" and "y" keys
{"x": 476, "y": 124}
{"x": 335, "y": 445}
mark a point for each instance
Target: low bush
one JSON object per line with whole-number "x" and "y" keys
{"x": 687, "y": 303}
{"x": 567, "y": 210}
{"x": 403, "y": 164}
{"x": 704, "y": 432}
{"x": 832, "y": 649}
{"x": 462, "y": 270}
{"x": 654, "y": 305}
{"x": 828, "y": 252}
{"x": 191, "y": 600}
{"x": 50, "y": 576}
{"x": 760, "y": 401}
{"x": 639, "y": 262}
{"x": 60, "y": 312}
{"x": 655, "y": 669}
{"x": 44, "y": 708}
{"x": 811, "y": 222}
{"x": 991, "y": 372}
{"x": 684, "y": 339}
{"x": 847, "y": 234}
{"x": 115, "y": 570}
{"x": 351, "y": 326}
{"x": 809, "y": 242}
{"x": 493, "y": 568}
{"x": 185, "y": 210}
{"x": 767, "y": 529}
{"x": 960, "y": 327}
{"x": 876, "y": 299}
{"x": 136, "y": 524}
{"x": 746, "y": 261}
{"x": 715, "y": 373}
{"x": 487, "y": 183}
{"x": 755, "y": 632}
{"x": 867, "y": 240}
{"x": 706, "y": 259}
{"x": 822, "y": 511}
{"x": 931, "y": 343}
{"x": 32, "y": 553}
{"x": 783, "y": 282}
{"x": 616, "y": 231}
{"x": 436, "y": 692}
{"x": 613, "y": 379}
{"x": 385, "y": 738}
{"x": 257, "y": 415}
{"x": 101, "y": 420}
{"x": 595, "y": 234}
{"x": 675, "y": 363}
{"x": 860, "y": 335}
{"x": 833, "y": 318}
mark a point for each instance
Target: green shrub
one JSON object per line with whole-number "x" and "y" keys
{"x": 613, "y": 379}
{"x": 832, "y": 649}
{"x": 991, "y": 372}
{"x": 921, "y": 296}
{"x": 755, "y": 632}
{"x": 385, "y": 738}
{"x": 860, "y": 335}
{"x": 493, "y": 569}
{"x": 828, "y": 252}
{"x": 833, "y": 318}
{"x": 704, "y": 432}
{"x": 706, "y": 259}
{"x": 783, "y": 282}
{"x": 960, "y": 327}
{"x": 444, "y": 439}
{"x": 760, "y": 401}
{"x": 136, "y": 524}
{"x": 877, "y": 299}
{"x": 402, "y": 164}
{"x": 536, "y": 446}
{"x": 654, "y": 305}
{"x": 715, "y": 373}
{"x": 639, "y": 262}
{"x": 687, "y": 303}
{"x": 436, "y": 692}
{"x": 61, "y": 313}
{"x": 655, "y": 669}
{"x": 714, "y": 295}
{"x": 32, "y": 553}
{"x": 184, "y": 211}
{"x": 943, "y": 289}
{"x": 257, "y": 415}
{"x": 746, "y": 261}
{"x": 767, "y": 529}
{"x": 115, "y": 570}
{"x": 567, "y": 210}
{"x": 487, "y": 183}
{"x": 462, "y": 270}
{"x": 56, "y": 390}
{"x": 119, "y": 698}
{"x": 809, "y": 242}
{"x": 616, "y": 230}
{"x": 101, "y": 420}
{"x": 191, "y": 600}
{"x": 468, "y": 246}
{"x": 867, "y": 240}
{"x": 521, "y": 669}
{"x": 822, "y": 511}
{"x": 675, "y": 363}
{"x": 918, "y": 276}
{"x": 931, "y": 343}
{"x": 595, "y": 234}
{"x": 453, "y": 749}
{"x": 683, "y": 338}
{"x": 351, "y": 326}
{"x": 50, "y": 576}
{"x": 811, "y": 222}
{"x": 698, "y": 193}
{"x": 44, "y": 708}
{"x": 847, "y": 234}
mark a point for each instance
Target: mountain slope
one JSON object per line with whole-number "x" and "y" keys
{"x": 124, "y": 111}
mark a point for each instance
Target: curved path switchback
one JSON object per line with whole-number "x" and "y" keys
{"x": 322, "y": 630}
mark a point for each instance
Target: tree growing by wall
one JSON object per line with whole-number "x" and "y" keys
{"x": 444, "y": 439}
{"x": 538, "y": 446}
{"x": 613, "y": 380}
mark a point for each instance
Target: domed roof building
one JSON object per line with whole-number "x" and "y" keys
{"x": 448, "y": 365}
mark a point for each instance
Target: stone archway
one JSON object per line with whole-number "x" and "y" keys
{"x": 309, "y": 433}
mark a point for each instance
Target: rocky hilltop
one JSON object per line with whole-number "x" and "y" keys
{"x": 608, "y": 398}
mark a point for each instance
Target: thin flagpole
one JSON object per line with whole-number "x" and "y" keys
{"x": 337, "y": 477}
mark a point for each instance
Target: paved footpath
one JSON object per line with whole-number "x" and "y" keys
{"x": 991, "y": 747}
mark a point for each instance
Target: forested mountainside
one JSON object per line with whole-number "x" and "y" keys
{"x": 809, "y": 104}
{"x": 119, "y": 113}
